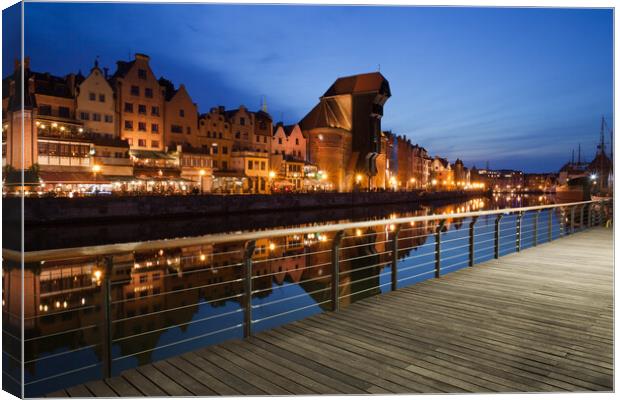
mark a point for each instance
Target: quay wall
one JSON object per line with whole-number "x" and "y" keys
{"x": 114, "y": 208}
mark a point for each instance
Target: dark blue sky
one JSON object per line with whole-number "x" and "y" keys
{"x": 517, "y": 87}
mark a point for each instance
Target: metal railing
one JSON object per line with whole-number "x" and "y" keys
{"x": 360, "y": 261}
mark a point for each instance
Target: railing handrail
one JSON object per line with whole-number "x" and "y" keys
{"x": 218, "y": 238}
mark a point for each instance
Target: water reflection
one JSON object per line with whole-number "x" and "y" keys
{"x": 168, "y": 301}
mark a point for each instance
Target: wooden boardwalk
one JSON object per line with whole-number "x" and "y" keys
{"x": 540, "y": 320}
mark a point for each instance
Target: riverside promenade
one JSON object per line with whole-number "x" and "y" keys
{"x": 540, "y": 320}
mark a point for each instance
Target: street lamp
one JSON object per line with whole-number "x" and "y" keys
{"x": 96, "y": 169}
{"x": 202, "y": 173}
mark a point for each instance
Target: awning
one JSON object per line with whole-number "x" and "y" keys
{"x": 71, "y": 177}
{"x": 148, "y": 154}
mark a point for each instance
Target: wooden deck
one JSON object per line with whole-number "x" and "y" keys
{"x": 540, "y": 320}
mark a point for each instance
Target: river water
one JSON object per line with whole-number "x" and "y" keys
{"x": 166, "y": 302}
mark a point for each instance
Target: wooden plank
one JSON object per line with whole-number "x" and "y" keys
{"x": 211, "y": 354}
{"x": 144, "y": 385}
{"x": 100, "y": 389}
{"x": 183, "y": 378}
{"x": 538, "y": 320}
{"x": 79, "y": 391}
{"x": 201, "y": 375}
{"x": 239, "y": 384}
{"x": 122, "y": 387}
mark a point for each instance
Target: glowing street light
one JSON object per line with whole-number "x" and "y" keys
{"x": 202, "y": 173}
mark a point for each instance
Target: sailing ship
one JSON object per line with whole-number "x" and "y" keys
{"x": 578, "y": 181}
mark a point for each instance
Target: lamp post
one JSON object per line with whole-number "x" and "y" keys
{"x": 96, "y": 169}
{"x": 272, "y": 176}
{"x": 202, "y": 173}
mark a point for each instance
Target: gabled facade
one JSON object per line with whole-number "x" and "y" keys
{"x": 140, "y": 102}
{"x": 214, "y": 133}
{"x": 180, "y": 116}
{"x": 95, "y": 104}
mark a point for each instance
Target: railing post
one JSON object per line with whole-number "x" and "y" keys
{"x": 601, "y": 214}
{"x": 438, "y": 248}
{"x": 395, "y": 257}
{"x": 107, "y": 317}
{"x": 336, "y": 270}
{"x": 472, "y": 241}
{"x": 248, "y": 252}
{"x": 497, "y": 226}
{"x": 581, "y": 216}
{"x": 550, "y": 225}
{"x": 518, "y": 235}
{"x": 590, "y": 215}
{"x": 535, "y": 236}
{"x": 572, "y": 219}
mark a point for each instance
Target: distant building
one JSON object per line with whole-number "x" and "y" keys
{"x": 442, "y": 175}
{"x": 462, "y": 174}
{"x": 539, "y": 182}
{"x": 501, "y": 180}
{"x": 344, "y": 129}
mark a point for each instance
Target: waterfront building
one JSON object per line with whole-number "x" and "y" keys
{"x": 180, "y": 116}
{"x": 140, "y": 102}
{"x": 344, "y": 129}
{"x": 252, "y": 169}
{"x": 263, "y": 130}
{"x": 462, "y": 175}
{"x": 242, "y": 127}
{"x": 57, "y": 152}
{"x": 501, "y": 180}
{"x": 196, "y": 166}
{"x": 214, "y": 133}
{"x": 442, "y": 175}
{"x": 421, "y": 163}
{"x": 539, "y": 182}
{"x": 95, "y": 104}
{"x": 289, "y": 141}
